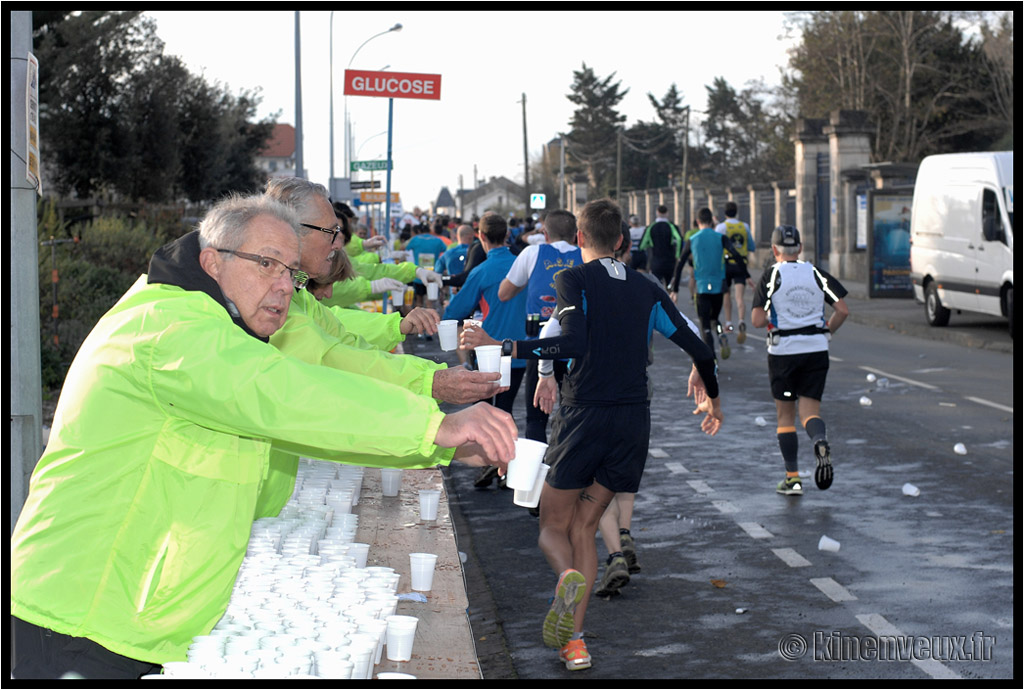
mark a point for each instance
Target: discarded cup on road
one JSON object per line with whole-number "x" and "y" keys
{"x": 488, "y": 358}
{"x": 432, "y": 291}
{"x": 760, "y": 421}
{"x": 390, "y": 480}
{"x": 960, "y": 449}
{"x": 827, "y": 544}
{"x": 883, "y": 382}
{"x": 865, "y": 401}
{"x": 400, "y": 636}
{"x": 421, "y": 571}
{"x": 531, "y": 498}
{"x": 506, "y": 371}
{"x": 523, "y": 468}
{"x": 448, "y": 334}
{"x": 429, "y": 500}
{"x": 911, "y": 490}
{"x": 871, "y": 378}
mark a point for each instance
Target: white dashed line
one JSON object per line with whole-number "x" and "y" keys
{"x": 832, "y": 589}
{"x": 791, "y": 558}
{"x": 882, "y": 628}
{"x": 700, "y": 486}
{"x": 901, "y": 378}
{"x": 676, "y": 468}
{"x": 657, "y": 453}
{"x": 725, "y": 506}
{"x": 982, "y": 401}
{"x": 755, "y": 530}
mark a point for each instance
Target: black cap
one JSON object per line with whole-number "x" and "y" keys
{"x": 786, "y": 236}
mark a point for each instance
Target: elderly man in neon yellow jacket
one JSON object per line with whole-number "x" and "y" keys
{"x": 139, "y": 512}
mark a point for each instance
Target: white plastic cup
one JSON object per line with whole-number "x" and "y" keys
{"x": 429, "y": 501}
{"x": 523, "y": 469}
{"x": 390, "y": 480}
{"x": 531, "y": 498}
{"x": 448, "y": 334}
{"x": 359, "y": 551}
{"x": 488, "y": 358}
{"x": 506, "y": 371}
{"x": 340, "y": 669}
{"x": 911, "y": 490}
{"x": 960, "y": 449}
{"x": 432, "y": 291}
{"x": 421, "y": 570}
{"x": 865, "y": 401}
{"x": 394, "y": 675}
{"x": 397, "y": 298}
{"x": 400, "y": 636}
{"x": 827, "y": 544}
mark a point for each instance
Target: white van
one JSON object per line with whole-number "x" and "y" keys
{"x": 961, "y": 235}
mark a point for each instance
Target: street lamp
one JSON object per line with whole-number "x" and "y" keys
{"x": 396, "y": 27}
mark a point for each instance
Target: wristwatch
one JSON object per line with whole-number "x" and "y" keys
{"x": 506, "y": 347}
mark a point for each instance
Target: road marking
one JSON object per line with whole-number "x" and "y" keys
{"x": 657, "y": 453}
{"x": 878, "y": 625}
{"x": 982, "y": 401}
{"x": 791, "y": 558}
{"x": 901, "y": 378}
{"x": 725, "y": 506}
{"x": 676, "y": 468}
{"x": 700, "y": 486}
{"x": 832, "y": 589}
{"x": 755, "y": 530}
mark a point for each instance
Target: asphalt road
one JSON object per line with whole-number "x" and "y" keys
{"x": 733, "y": 583}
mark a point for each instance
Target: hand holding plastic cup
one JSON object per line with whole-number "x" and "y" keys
{"x": 398, "y": 298}
{"x": 488, "y": 357}
{"x": 523, "y": 468}
{"x": 531, "y": 498}
{"x": 390, "y": 480}
{"x": 448, "y": 334}
{"x": 400, "y": 635}
{"x": 432, "y": 291}
{"x": 429, "y": 500}
{"x": 421, "y": 571}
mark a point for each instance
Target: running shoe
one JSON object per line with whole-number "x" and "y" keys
{"x": 728, "y": 327}
{"x": 723, "y": 343}
{"x": 559, "y": 624}
{"x": 616, "y": 576}
{"x": 823, "y": 473}
{"x": 790, "y": 486}
{"x": 629, "y": 552}
{"x": 486, "y": 477}
{"x": 741, "y": 337}
{"x": 575, "y": 655}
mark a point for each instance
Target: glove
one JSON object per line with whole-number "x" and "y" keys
{"x": 374, "y": 242}
{"x": 385, "y": 285}
{"x": 427, "y": 276}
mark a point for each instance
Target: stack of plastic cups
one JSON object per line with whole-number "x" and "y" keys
{"x": 363, "y": 650}
{"x": 377, "y": 628}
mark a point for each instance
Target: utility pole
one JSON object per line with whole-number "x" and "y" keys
{"x": 561, "y": 173}
{"x": 526, "y": 163}
{"x": 687, "y": 222}
{"x": 26, "y": 439}
{"x": 618, "y": 167}
{"x": 299, "y": 172}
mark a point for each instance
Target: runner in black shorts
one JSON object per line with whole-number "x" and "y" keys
{"x": 601, "y": 430}
{"x": 790, "y": 300}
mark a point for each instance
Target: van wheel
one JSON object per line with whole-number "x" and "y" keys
{"x": 936, "y": 314}
{"x": 1009, "y": 309}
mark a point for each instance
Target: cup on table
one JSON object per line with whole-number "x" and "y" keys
{"x": 531, "y": 498}
{"x": 390, "y": 480}
{"x": 432, "y": 291}
{"x": 359, "y": 551}
{"x": 429, "y": 501}
{"x": 488, "y": 357}
{"x": 400, "y": 636}
{"x": 523, "y": 468}
{"x": 394, "y": 675}
{"x": 421, "y": 570}
{"x": 506, "y": 371}
{"x": 448, "y": 334}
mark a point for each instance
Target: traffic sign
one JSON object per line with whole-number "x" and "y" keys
{"x": 392, "y": 84}
{"x": 377, "y": 197}
{"x": 370, "y": 165}
{"x": 538, "y": 201}
{"x": 369, "y": 184}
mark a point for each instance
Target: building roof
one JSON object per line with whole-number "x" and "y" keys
{"x": 281, "y": 143}
{"x": 444, "y": 199}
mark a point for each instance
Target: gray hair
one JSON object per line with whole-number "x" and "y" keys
{"x": 298, "y": 194}
{"x": 225, "y": 224}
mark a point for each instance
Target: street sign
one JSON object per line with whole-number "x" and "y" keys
{"x": 369, "y": 184}
{"x": 537, "y": 201}
{"x": 392, "y": 84}
{"x": 377, "y": 197}
{"x": 370, "y": 165}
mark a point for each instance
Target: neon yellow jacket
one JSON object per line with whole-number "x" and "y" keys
{"x": 139, "y": 512}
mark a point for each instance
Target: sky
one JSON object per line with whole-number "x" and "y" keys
{"x": 487, "y": 62}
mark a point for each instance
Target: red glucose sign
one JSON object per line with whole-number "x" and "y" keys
{"x": 392, "y": 84}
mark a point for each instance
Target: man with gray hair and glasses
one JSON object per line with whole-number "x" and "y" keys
{"x": 139, "y": 511}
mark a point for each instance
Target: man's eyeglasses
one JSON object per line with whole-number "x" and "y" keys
{"x": 272, "y": 268}
{"x": 333, "y": 232}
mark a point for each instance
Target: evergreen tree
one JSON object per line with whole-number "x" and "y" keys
{"x": 595, "y": 124}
